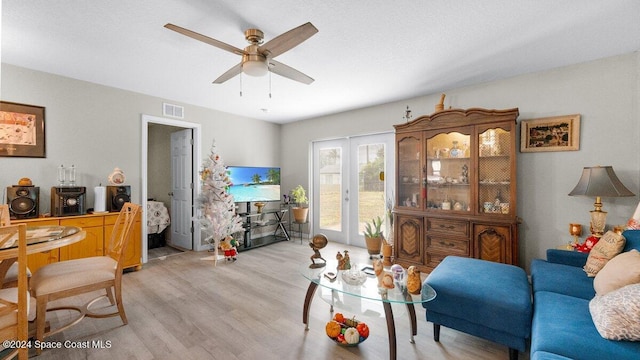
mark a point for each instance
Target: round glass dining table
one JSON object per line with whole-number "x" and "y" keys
{"x": 40, "y": 239}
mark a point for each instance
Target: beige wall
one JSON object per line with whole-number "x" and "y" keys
{"x": 605, "y": 92}
{"x": 98, "y": 128}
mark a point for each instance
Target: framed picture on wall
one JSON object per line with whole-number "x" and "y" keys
{"x": 558, "y": 133}
{"x": 21, "y": 130}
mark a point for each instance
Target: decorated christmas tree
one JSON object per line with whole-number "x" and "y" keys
{"x": 217, "y": 216}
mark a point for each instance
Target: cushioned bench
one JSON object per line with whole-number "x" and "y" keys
{"x": 482, "y": 298}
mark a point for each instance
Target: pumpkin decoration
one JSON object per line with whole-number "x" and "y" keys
{"x": 333, "y": 329}
{"x": 352, "y": 336}
{"x": 363, "y": 330}
{"x": 346, "y": 332}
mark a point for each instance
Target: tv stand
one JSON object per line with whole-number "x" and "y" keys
{"x": 254, "y": 220}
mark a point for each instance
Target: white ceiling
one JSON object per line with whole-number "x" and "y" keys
{"x": 365, "y": 53}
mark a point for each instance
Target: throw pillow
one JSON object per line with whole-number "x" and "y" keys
{"x": 610, "y": 245}
{"x": 622, "y": 270}
{"x": 617, "y": 314}
{"x": 634, "y": 221}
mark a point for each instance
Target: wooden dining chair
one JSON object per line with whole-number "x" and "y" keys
{"x": 11, "y": 273}
{"x": 78, "y": 276}
{"x": 14, "y": 302}
{"x": 5, "y": 216}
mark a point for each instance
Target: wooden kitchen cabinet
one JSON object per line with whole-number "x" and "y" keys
{"x": 456, "y": 187}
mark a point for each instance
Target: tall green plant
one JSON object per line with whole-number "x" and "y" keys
{"x": 299, "y": 195}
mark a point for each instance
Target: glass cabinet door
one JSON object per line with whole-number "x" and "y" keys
{"x": 448, "y": 168}
{"x": 410, "y": 171}
{"x": 494, "y": 171}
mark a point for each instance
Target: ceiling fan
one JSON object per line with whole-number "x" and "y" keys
{"x": 257, "y": 58}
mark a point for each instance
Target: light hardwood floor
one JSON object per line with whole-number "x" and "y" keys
{"x": 182, "y": 307}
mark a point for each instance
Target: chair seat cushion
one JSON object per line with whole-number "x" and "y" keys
{"x": 72, "y": 274}
{"x": 12, "y": 273}
{"x": 11, "y": 295}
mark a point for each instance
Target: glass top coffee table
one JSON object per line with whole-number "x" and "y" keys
{"x": 354, "y": 291}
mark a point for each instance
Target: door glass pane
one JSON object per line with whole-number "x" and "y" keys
{"x": 330, "y": 189}
{"x": 371, "y": 200}
{"x": 494, "y": 171}
{"x": 448, "y": 167}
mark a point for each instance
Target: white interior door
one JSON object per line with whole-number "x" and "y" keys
{"x": 347, "y": 186}
{"x": 182, "y": 189}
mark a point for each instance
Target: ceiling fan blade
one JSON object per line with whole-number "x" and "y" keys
{"x": 281, "y": 69}
{"x": 287, "y": 41}
{"x": 229, "y": 74}
{"x": 205, "y": 39}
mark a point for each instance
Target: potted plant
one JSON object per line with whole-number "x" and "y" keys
{"x": 373, "y": 236}
{"x": 299, "y": 196}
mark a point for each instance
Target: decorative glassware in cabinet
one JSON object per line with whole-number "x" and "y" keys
{"x": 410, "y": 172}
{"x": 447, "y": 172}
{"x": 494, "y": 171}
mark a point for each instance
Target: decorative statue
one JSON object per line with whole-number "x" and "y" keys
{"x": 318, "y": 242}
{"x": 385, "y": 279}
{"x": 230, "y": 247}
{"x": 414, "y": 283}
{"x": 344, "y": 262}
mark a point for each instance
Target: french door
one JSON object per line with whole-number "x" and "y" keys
{"x": 352, "y": 180}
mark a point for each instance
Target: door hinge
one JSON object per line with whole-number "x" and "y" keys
{"x": 191, "y": 186}
{"x": 191, "y": 141}
{"x": 192, "y": 229}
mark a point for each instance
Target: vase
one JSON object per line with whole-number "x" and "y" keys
{"x": 373, "y": 245}
{"x": 387, "y": 251}
{"x": 300, "y": 214}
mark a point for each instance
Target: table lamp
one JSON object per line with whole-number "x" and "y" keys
{"x": 599, "y": 181}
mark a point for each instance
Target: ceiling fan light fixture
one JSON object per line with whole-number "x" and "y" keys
{"x": 255, "y": 68}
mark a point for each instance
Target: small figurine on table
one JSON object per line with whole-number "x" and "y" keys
{"x": 229, "y": 247}
{"x": 344, "y": 263}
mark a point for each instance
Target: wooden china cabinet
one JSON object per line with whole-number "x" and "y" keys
{"x": 456, "y": 187}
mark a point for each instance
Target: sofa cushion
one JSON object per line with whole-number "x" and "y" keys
{"x": 561, "y": 279}
{"x": 622, "y": 270}
{"x": 543, "y": 355}
{"x": 562, "y": 325}
{"x": 633, "y": 240}
{"x": 610, "y": 245}
{"x": 616, "y": 315}
{"x": 482, "y": 298}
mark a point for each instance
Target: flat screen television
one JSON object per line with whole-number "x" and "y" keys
{"x": 251, "y": 183}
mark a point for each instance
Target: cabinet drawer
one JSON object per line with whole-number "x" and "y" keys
{"x": 454, "y": 227}
{"x": 82, "y": 221}
{"x": 447, "y": 246}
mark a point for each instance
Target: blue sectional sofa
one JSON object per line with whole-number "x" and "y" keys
{"x": 562, "y": 326}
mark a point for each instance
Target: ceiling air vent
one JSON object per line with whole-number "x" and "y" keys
{"x": 176, "y": 111}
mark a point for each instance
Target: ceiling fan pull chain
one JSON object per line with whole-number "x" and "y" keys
{"x": 269, "y": 84}
{"x": 240, "y": 84}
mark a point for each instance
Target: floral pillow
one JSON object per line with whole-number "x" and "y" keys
{"x": 616, "y": 315}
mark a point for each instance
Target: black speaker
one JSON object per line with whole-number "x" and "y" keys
{"x": 23, "y": 201}
{"x": 117, "y": 196}
{"x": 68, "y": 200}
